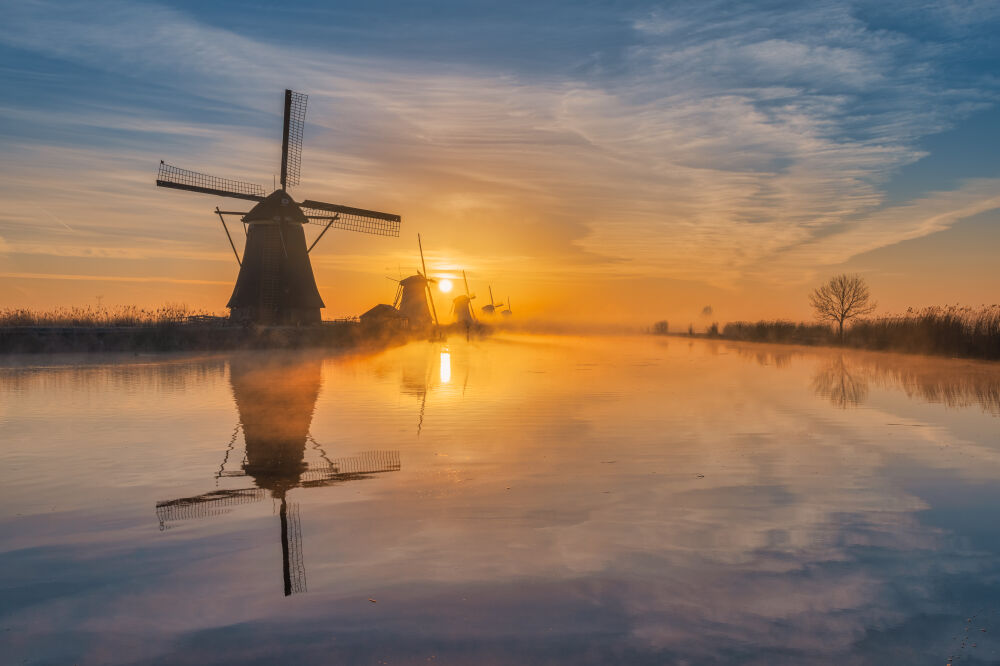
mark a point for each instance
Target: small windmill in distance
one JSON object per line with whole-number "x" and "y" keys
{"x": 276, "y": 284}
{"x": 491, "y": 307}
{"x": 464, "y": 314}
{"x": 414, "y": 298}
{"x": 507, "y": 312}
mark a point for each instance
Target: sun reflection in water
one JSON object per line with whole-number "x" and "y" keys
{"x": 445, "y": 366}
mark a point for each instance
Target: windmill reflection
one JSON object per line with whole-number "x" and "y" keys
{"x": 275, "y": 400}
{"x": 425, "y": 369}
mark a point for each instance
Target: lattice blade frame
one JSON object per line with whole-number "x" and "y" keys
{"x": 359, "y": 466}
{"x": 209, "y": 504}
{"x": 352, "y": 219}
{"x": 291, "y": 141}
{"x": 291, "y": 546}
{"x": 184, "y": 179}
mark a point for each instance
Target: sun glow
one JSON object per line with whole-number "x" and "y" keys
{"x": 444, "y": 286}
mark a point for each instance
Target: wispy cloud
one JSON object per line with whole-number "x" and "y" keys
{"x": 721, "y": 141}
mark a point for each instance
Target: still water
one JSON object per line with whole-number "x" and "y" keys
{"x": 516, "y": 500}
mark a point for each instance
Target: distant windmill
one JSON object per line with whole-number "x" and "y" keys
{"x": 464, "y": 314}
{"x": 507, "y": 312}
{"x": 276, "y": 282}
{"x": 276, "y": 402}
{"x": 414, "y": 298}
{"x": 491, "y": 307}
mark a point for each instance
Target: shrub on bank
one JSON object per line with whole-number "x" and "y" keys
{"x": 779, "y": 331}
{"x": 952, "y": 331}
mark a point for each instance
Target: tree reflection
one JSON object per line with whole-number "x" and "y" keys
{"x": 847, "y": 377}
{"x": 835, "y": 381}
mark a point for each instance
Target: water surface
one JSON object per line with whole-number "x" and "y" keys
{"x": 514, "y": 500}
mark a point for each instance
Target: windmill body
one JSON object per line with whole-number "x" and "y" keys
{"x": 413, "y": 301}
{"x": 463, "y": 310}
{"x": 276, "y": 283}
{"x": 462, "y": 305}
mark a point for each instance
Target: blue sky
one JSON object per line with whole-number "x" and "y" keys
{"x": 696, "y": 150}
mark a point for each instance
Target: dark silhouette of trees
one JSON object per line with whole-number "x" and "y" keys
{"x": 843, "y": 297}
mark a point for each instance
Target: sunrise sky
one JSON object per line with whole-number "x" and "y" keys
{"x": 595, "y": 162}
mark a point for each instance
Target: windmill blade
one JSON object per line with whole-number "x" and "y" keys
{"x": 430, "y": 294}
{"x": 291, "y": 137}
{"x": 352, "y": 219}
{"x": 182, "y": 179}
{"x": 209, "y": 504}
{"x": 361, "y": 466}
{"x": 293, "y": 569}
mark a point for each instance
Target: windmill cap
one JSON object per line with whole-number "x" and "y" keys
{"x": 278, "y": 207}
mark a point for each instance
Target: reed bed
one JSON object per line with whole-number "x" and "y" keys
{"x": 91, "y": 317}
{"x": 169, "y": 328}
{"x": 951, "y": 331}
{"x": 780, "y": 331}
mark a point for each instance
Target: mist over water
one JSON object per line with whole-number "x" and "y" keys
{"x": 521, "y": 499}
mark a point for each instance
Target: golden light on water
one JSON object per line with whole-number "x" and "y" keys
{"x": 444, "y": 286}
{"x": 445, "y": 367}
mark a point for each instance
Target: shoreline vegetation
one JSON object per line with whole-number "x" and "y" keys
{"x": 169, "y": 329}
{"x": 940, "y": 331}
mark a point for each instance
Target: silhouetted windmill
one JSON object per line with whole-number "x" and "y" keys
{"x": 507, "y": 312}
{"x": 276, "y": 403}
{"x": 414, "y": 298}
{"x": 276, "y": 282}
{"x": 491, "y": 307}
{"x": 464, "y": 314}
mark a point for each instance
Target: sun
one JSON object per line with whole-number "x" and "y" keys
{"x": 444, "y": 286}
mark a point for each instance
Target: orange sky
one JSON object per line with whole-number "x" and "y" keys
{"x": 735, "y": 171}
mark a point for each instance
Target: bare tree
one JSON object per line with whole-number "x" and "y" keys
{"x": 843, "y": 297}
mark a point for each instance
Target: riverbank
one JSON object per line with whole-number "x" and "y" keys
{"x": 953, "y": 331}
{"x": 191, "y": 336}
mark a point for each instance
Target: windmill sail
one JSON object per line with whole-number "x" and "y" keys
{"x": 293, "y": 569}
{"x": 209, "y": 504}
{"x": 291, "y": 139}
{"x": 183, "y": 179}
{"x": 276, "y": 284}
{"x": 352, "y": 219}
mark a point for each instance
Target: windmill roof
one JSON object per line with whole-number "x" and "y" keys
{"x": 413, "y": 279}
{"x": 382, "y": 311}
{"x": 277, "y": 207}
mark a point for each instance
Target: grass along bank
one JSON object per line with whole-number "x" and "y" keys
{"x": 949, "y": 331}
{"x": 167, "y": 329}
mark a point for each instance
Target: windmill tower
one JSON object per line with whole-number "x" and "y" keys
{"x": 275, "y": 402}
{"x": 507, "y": 312}
{"x": 276, "y": 283}
{"x": 411, "y": 300}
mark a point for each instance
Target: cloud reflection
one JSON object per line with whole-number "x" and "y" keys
{"x": 593, "y": 501}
